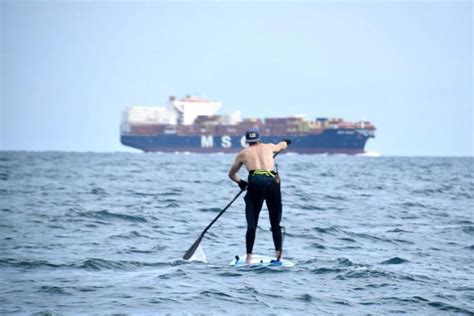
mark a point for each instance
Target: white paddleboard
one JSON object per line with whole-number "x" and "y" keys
{"x": 258, "y": 260}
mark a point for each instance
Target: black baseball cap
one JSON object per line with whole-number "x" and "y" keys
{"x": 252, "y": 135}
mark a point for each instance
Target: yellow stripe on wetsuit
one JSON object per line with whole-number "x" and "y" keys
{"x": 262, "y": 172}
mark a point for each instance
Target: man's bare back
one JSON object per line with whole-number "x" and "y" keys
{"x": 258, "y": 156}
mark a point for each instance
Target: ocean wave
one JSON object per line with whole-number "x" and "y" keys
{"x": 168, "y": 205}
{"x": 463, "y": 222}
{"x": 347, "y": 239}
{"x": 371, "y": 237}
{"x": 248, "y": 290}
{"x": 97, "y": 264}
{"x": 345, "y": 262}
{"x": 445, "y": 307}
{"x": 372, "y": 274}
{"x": 54, "y": 290}
{"x": 306, "y": 297}
{"x": 413, "y": 204}
{"x": 403, "y": 241}
{"x": 161, "y": 300}
{"x": 106, "y": 215}
{"x": 329, "y": 230}
{"x": 422, "y": 301}
{"x": 98, "y": 191}
{"x": 395, "y": 260}
{"x": 90, "y": 288}
{"x": 131, "y": 235}
{"x": 215, "y": 293}
{"x": 133, "y": 250}
{"x": 305, "y": 207}
{"x": 326, "y": 174}
{"x": 211, "y": 210}
{"x": 317, "y": 246}
{"x": 170, "y": 200}
{"x": 335, "y": 197}
{"x": 230, "y": 274}
{"x": 468, "y": 230}
{"x": 27, "y": 264}
{"x": 398, "y": 230}
{"x": 172, "y": 275}
{"x": 46, "y": 313}
{"x": 377, "y": 285}
{"x": 327, "y": 270}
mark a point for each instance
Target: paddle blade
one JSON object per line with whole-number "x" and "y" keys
{"x": 192, "y": 249}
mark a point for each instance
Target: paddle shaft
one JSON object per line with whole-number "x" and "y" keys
{"x": 221, "y": 212}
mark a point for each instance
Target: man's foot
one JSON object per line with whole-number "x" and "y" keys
{"x": 278, "y": 255}
{"x": 249, "y": 258}
{"x": 276, "y": 262}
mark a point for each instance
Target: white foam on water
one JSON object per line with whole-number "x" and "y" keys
{"x": 370, "y": 154}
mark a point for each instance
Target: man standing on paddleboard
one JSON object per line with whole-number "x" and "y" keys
{"x": 263, "y": 185}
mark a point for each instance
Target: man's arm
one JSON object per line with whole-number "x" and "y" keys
{"x": 280, "y": 146}
{"x": 233, "y": 172}
{"x": 235, "y": 168}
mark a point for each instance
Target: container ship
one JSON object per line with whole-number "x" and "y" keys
{"x": 192, "y": 125}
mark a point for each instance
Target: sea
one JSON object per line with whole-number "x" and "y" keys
{"x": 105, "y": 233}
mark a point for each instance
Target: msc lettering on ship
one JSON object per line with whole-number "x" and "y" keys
{"x": 226, "y": 141}
{"x": 207, "y": 141}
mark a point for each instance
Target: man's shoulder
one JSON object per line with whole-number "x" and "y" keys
{"x": 269, "y": 145}
{"x": 242, "y": 153}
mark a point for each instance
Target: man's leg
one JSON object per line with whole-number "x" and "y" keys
{"x": 253, "y": 205}
{"x": 273, "y": 200}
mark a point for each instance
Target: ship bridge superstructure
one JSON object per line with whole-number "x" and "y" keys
{"x": 186, "y": 110}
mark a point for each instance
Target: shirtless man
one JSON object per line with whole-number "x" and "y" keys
{"x": 263, "y": 184}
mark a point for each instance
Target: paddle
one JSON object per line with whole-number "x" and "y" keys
{"x": 193, "y": 248}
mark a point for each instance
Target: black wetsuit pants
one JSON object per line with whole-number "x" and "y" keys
{"x": 263, "y": 188}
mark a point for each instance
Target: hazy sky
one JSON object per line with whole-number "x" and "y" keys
{"x": 68, "y": 69}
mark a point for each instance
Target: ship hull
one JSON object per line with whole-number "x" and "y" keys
{"x": 333, "y": 141}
